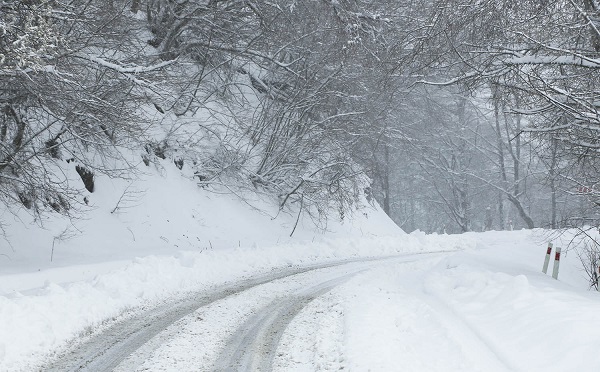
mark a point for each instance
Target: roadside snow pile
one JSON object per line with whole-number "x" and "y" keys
{"x": 489, "y": 309}
{"x": 531, "y": 324}
{"x": 482, "y": 306}
{"x": 390, "y": 323}
{"x": 34, "y": 324}
{"x": 531, "y": 321}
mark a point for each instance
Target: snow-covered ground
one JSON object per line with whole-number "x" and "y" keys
{"x": 482, "y": 304}
{"x": 487, "y": 307}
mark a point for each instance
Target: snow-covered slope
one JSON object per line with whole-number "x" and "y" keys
{"x": 144, "y": 239}
{"x": 161, "y": 213}
{"x": 168, "y": 236}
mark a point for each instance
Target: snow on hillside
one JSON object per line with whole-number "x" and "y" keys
{"x": 146, "y": 239}
{"x": 163, "y": 212}
{"x": 169, "y": 237}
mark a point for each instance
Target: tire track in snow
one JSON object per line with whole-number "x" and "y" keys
{"x": 253, "y": 346}
{"x": 106, "y": 350}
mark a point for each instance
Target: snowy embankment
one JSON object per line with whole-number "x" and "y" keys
{"x": 143, "y": 241}
{"x": 487, "y": 309}
{"x": 43, "y": 320}
{"x": 487, "y": 305}
{"x": 484, "y": 307}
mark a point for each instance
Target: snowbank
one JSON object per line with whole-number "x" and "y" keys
{"x": 43, "y": 320}
{"x": 488, "y": 309}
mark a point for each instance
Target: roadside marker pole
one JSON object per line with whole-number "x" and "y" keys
{"x": 556, "y": 263}
{"x": 547, "y": 259}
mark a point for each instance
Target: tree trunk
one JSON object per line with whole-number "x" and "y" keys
{"x": 522, "y": 212}
{"x": 386, "y": 180}
{"x": 502, "y": 217}
{"x": 591, "y": 8}
{"x": 553, "y": 174}
{"x": 512, "y": 193}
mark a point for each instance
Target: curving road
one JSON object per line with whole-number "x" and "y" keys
{"x": 260, "y": 309}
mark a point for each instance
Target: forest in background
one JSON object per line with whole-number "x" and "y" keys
{"x": 454, "y": 115}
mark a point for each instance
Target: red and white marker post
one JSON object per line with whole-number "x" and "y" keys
{"x": 547, "y": 259}
{"x": 556, "y": 263}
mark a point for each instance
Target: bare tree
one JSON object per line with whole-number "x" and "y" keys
{"x": 65, "y": 99}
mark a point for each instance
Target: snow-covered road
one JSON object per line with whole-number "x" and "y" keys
{"x": 234, "y": 327}
{"x": 422, "y": 304}
{"x": 331, "y": 317}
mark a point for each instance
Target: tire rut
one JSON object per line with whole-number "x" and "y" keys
{"x": 106, "y": 350}
{"x": 253, "y": 346}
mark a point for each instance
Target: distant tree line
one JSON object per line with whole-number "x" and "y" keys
{"x": 502, "y": 125}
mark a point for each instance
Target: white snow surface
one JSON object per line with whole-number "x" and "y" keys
{"x": 482, "y": 305}
{"x": 485, "y": 308}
